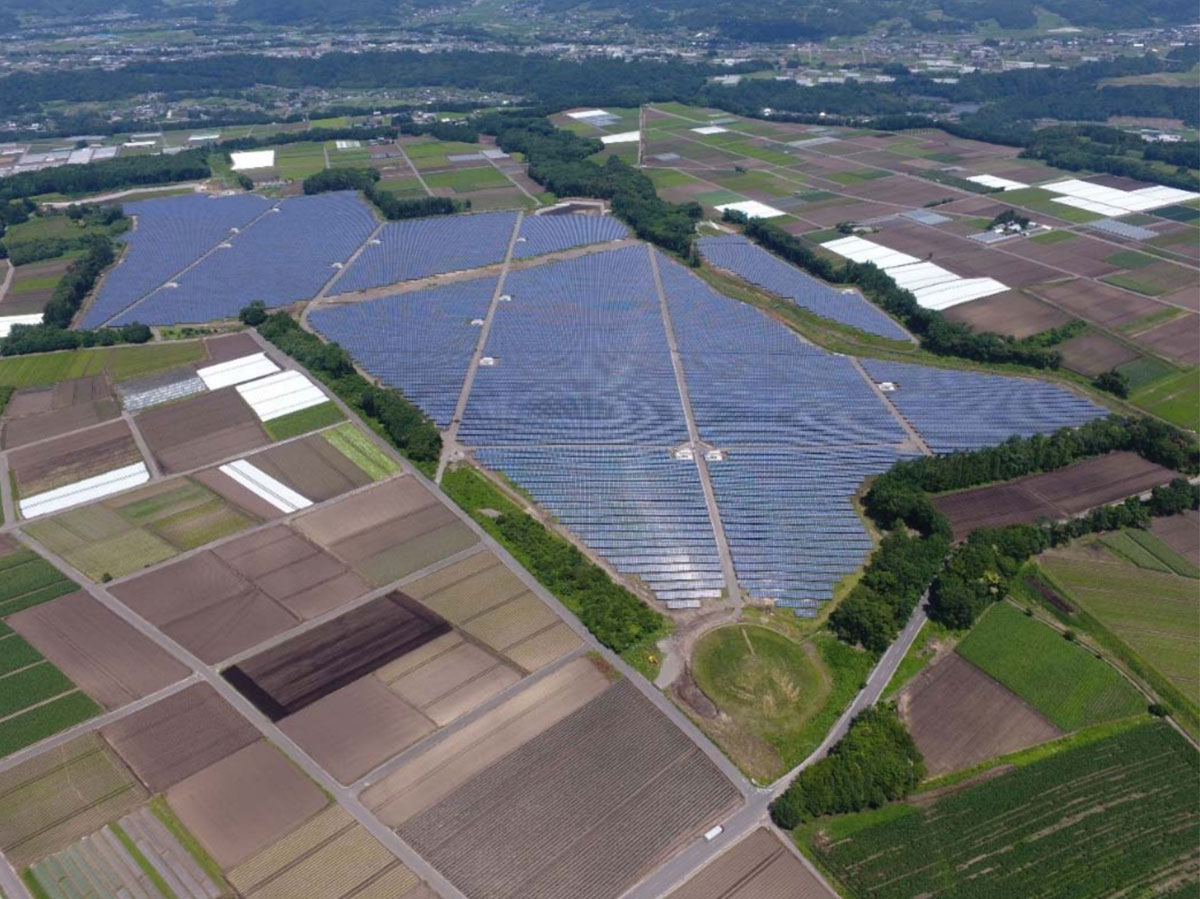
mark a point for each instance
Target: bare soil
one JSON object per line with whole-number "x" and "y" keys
{"x": 39, "y": 414}
{"x": 1091, "y": 353}
{"x": 178, "y": 736}
{"x": 66, "y": 460}
{"x": 1013, "y": 313}
{"x": 759, "y": 867}
{"x": 103, "y": 655}
{"x": 959, "y": 717}
{"x": 1181, "y": 533}
{"x": 202, "y": 430}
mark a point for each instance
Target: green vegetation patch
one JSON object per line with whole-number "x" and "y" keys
{"x": 1057, "y": 235}
{"x": 1116, "y": 816}
{"x": 718, "y": 198}
{"x": 919, "y": 655}
{"x": 27, "y": 580}
{"x": 402, "y": 187}
{"x": 858, "y": 176}
{"x": 1063, "y": 681}
{"x": 1177, "y": 398}
{"x": 1153, "y": 279}
{"x": 1156, "y": 614}
{"x": 463, "y": 180}
{"x": 32, "y": 685}
{"x": 304, "y": 420}
{"x": 359, "y": 449}
{"x": 43, "y": 369}
{"x": 1141, "y": 372}
{"x": 166, "y": 815}
{"x": 664, "y": 178}
{"x": 1185, "y": 214}
{"x": 45, "y": 720}
{"x": 769, "y": 684}
{"x": 1130, "y": 259}
{"x": 817, "y": 196}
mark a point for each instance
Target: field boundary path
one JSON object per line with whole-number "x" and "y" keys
{"x": 917, "y": 440}
{"x": 413, "y": 167}
{"x": 450, "y": 448}
{"x": 9, "y": 271}
{"x": 195, "y": 186}
{"x": 732, "y": 590}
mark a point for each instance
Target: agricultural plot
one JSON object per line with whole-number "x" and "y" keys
{"x": 118, "y": 859}
{"x": 176, "y": 737}
{"x": 329, "y": 855}
{"x": 1014, "y": 313}
{"x": 316, "y": 467}
{"x": 1066, "y": 683}
{"x": 1154, "y": 612}
{"x": 76, "y": 468}
{"x": 1093, "y": 353}
{"x": 388, "y": 531}
{"x": 1109, "y": 816}
{"x": 27, "y": 580}
{"x": 201, "y": 430}
{"x": 60, "y": 796}
{"x": 37, "y": 414}
{"x": 1180, "y": 532}
{"x": 223, "y": 601}
{"x": 36, "y": 698}
{"x": 33, "y": 285}
{"x": 621, "y": 786}
{"x": 1053, "y": 495}
{"x": 483, "y": 598}
{"x": 107, "y": 658}
{"x": 1175, "y": 397}
{"x": 240, "y": 805}
{"x": 759, "y": 867}
{"x": 959, "y": 717}
{"x": 121, "y": 535}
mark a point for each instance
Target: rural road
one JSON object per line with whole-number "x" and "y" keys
{"x": 196, "y": 186}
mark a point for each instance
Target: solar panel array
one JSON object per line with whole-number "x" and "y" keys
{"x": 581, "y": 356}
{"x": 960, "y": 410}
{"x": 287, "y": 255}
{"x": 753, "y": 382}
{"x": 420, "y": 248}
{"x": 792, "y": 529}
{"x": 754, "y": 264}
{"x": 419, "y": 342}
{"x": 551, "y": 233}
{"x": 170, "y": 234}
{"x": 641, "y": 509}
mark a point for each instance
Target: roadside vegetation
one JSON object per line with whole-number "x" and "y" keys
{"x": 616, "y": 617}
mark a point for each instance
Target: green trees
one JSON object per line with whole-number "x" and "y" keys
{"x": 112, "y": 174}
{"x": 1112, "y": 381}
{"x": 402, "y": 422}
{"x": 874, "y": 763}
{"x": 392, "y": 207}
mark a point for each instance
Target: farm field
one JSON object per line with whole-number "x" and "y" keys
{"x": 60, "y": 796}
{"x": 105, "y": 656}
{"x": 1153, "y": 612}
{"x": 27, "y": 580}
{"x": 267, "y": 581}
{"x": 1065, "y": 682}
{"x": 1090, "y": 821}
{"x": 759, "y": 867}
{"x": 36, "y": 698}
{"x": 1051, "y": 495}
{"x": 1179, "y": 533}
{"x": 35, "y": 414}
{"x": 615, "y": 763}
{"x": 119, "y": 363}
{"x": 71, "y": 458}
{"x": 121, "y": 535}
{"x": 201, "y": 430}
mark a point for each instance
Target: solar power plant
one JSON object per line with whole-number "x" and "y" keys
{"x": 756, "y": 265}
{"x": 287, "y": 255}
{"x": 170, "y": 234}
{"x": 791, "y": 527}
{"x": 959, "y": 410}
{"x": 752, "y": 381}
{"x": 423, "y": 247}
{"x": 640, "y": 508}
{"x": 581, "y": 356}
{"x": 419, "y": 342}
{"x": 550, "y": 233}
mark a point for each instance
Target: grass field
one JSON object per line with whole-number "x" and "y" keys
{"x": 27, "y": 580}
{"x": 1145, "y": 550}
{"x": 1052, "y": 237}
{"x": 1175, "y": 398}
{"x": 464, "y": 180}
{"x": 1156, "y": 614}
{"x": 42, "y": 369}
{"x": 301, "y": 422}
{"x": 1116, "y": 816}
{"x": 299, "y": 160}
{"x": 1063, "y": 681}
{"x": 1145, "y": 371}
{"x": 359, "y": 449}
{"x": 1130, "y": 259}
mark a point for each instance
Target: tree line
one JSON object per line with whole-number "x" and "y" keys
{"x": 390, "y": 206}
{"x": 400, "y": 421}
{"x": 876, "y": 762}
{"x": 110, "y": 174}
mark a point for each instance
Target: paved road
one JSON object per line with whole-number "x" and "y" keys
{"x": 195, "y": 186}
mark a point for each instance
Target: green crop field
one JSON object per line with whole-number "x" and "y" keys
{"x": 857, "y": 177}
{"x": 296, "y": 423}
{"x": 358, "y": 448}
{"x": 782, "y": 695}
{"x": 1175, "y": 398}
{"x": 1116, "y": 816}
{"x": 1055, "y": 236}
{"x": 26, "y": 580}
{"x": 36, "y": 699}
{"x": 1156, "y": 614}
{"x": 664, "y": 178}
{"x": 1130, "y": 259}
{"x": 1063, "y": 681}
{"x": 1146, "y": 370}
{"x": 1144, "y": 550}
{"x": 299, "y": 160}
{"x": 463, "y": 180}
{"x": 43, "y": 369}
